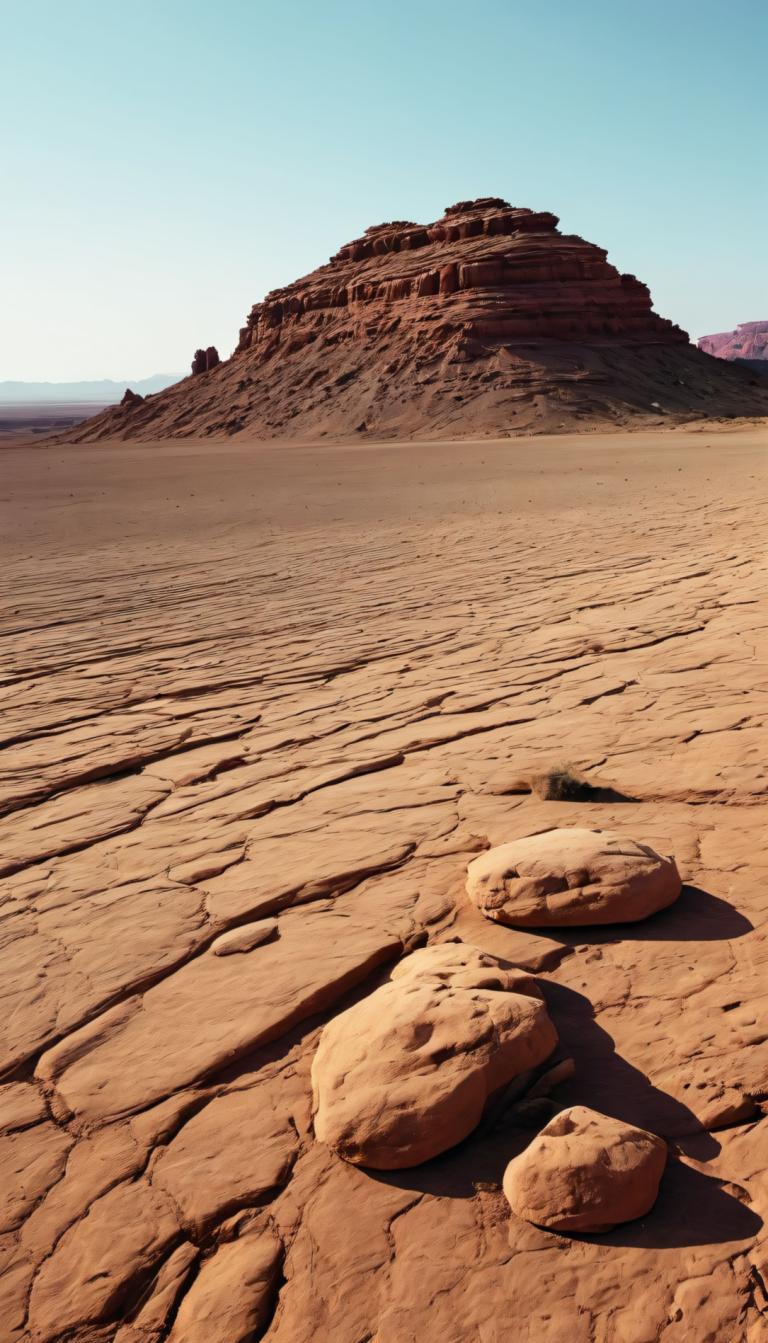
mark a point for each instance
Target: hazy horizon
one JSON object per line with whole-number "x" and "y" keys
{"x": 16, "y": 391}
{"x": 178, "y": 164}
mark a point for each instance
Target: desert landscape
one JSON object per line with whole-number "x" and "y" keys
{"x": 383, "y": 673}
{"x": 268, "y": 713}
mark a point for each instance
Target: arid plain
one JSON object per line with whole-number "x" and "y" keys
{"x": 308, "y": 683}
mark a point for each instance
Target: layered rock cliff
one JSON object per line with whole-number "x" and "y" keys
{"x": 485, "y": 323}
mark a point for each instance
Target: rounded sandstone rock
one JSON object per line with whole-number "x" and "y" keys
{"x": 245, "y": 938}
{"x": 586, "y": 1172}
{"x": 405, "y": 1074}
{"x": 567, "y": 878}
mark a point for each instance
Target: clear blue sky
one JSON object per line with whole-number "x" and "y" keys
{"x": 167, "y": 162}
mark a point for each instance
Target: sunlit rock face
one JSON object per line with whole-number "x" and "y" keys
{"x": 747, "y": 344}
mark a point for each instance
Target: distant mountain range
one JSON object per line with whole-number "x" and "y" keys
{"x": 102, "y": 391}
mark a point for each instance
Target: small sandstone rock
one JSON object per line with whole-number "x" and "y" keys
{"x": 148, "y": 1324}
{"x": 244, "y": 939}
{"x": 406, "y": 1073}
{"x": 586, "y": 1172}
{"x": 572, "y": 877}
{"x": 32, "y": 1160}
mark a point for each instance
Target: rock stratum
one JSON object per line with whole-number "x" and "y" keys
{"x": 488, "y": 322}
{"x": 253, "y": 738}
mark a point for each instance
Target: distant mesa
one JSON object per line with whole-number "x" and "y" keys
{"x": 487, "y": 323}
{"x": 747, "y": 344}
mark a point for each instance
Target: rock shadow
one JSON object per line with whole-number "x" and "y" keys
{"x": 605, "y": 1081}
{"x": 611, "y": 795}
{"x": 588, "y": 792}
{"x": 692, "y": 1209}
{"x": 696, "y": 916}
{"x": 478, "y": 1161}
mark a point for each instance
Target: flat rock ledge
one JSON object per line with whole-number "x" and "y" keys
{"x": 570, "y": 878}
{"x": 586, "y": 1172}
{"x": 405, "y": 1074}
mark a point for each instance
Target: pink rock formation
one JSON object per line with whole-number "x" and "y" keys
{"x": 486, "y": 322}
{"x": 568, "y": 878}
{"x": 586, "y": 1172}
{"x": 747, "y": 343}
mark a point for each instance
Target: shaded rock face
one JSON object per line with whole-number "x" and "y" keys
{"x": 485, "y": 323}
{"x": 131, "y": 399}
{"x": 406, "y": 1074}
{"x": 571, "y": 878}
{"x": 747, "y": 343}
{"x": 205, "y": 360}
{"x": 586, "y": 1172}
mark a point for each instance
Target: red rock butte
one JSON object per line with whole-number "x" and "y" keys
{"x": 488, "y": 322}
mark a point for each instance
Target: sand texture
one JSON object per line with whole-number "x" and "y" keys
{"x": 261, "y": 710}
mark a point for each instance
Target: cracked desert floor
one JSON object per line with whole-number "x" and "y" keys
{"x": 304, "y": 683}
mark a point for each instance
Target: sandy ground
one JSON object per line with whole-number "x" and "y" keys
{"x": 244, "y": 680}
{"x": 70, "y": 499}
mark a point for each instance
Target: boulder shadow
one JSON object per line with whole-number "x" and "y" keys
{"x": 562, "y": 786}
{"x": 479, "y": 1161}
{"x": 604, "y": 1081}
{"x": 696, "y": 916}
{"x": 692, "y": 1209}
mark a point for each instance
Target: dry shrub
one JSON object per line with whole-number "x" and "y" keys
{"x": 562, "y": 783}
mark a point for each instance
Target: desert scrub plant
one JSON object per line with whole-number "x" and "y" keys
{"x": 562, "y": 783}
